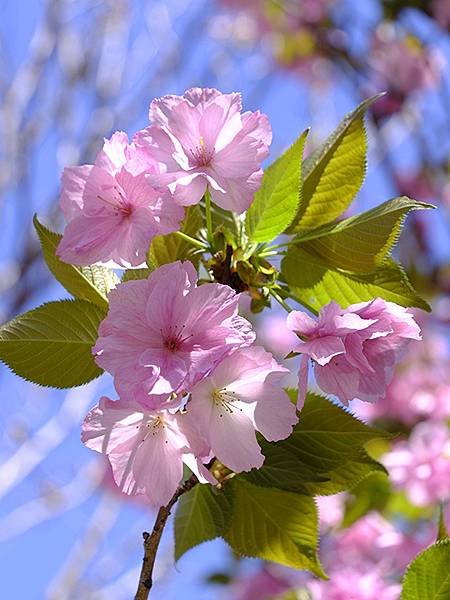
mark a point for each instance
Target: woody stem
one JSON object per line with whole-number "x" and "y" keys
{"x": 151, "y": 540}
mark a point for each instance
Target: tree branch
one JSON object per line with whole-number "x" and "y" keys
{"x": 151, "y": 540}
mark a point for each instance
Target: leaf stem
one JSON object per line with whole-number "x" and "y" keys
{"x": 192, "y": 240}
{"x": 280, "y": 300}
{"x": 151, "y": 540}
{"x": 208, "y": 214}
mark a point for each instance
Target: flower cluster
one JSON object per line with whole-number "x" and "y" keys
{"x": 135, "y": 191}
{"x": 192, "y": 385}
{"x": 354, "y": 349}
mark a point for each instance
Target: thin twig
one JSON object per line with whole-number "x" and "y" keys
{"x": 151, "y": 540}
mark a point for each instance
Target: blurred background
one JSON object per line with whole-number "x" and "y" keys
{"x": 71, "y": 72}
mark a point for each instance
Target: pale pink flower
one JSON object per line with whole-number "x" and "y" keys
{"x": 241, "y": 396}
{"x": 421, "y": 465}
{"x": 202, "y": 140}
{"x": 146, "y": 449}
{"x": 163, "y": 334}
{"x": 112, "y": 211}
{"x": 354, "y": 349}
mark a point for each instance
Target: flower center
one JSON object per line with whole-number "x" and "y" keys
{"x": 119, "y": 203}
{"x": 174, "y": 338}
{"x": 225, "y": 401}
{"x": 201, "y": 155}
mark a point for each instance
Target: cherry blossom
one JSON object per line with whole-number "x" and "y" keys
{"x": 163, "y": 334}
{"x": 354, "y": 349}
{"x": 146, "y": 449}
{"x": 241, "y": 396}
{"x": 203, "y": 141}
{"x": 112, "y": 211}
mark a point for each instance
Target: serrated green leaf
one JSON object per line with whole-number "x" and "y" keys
{"x": 277, "y": 200}
{"x": 135, "y": 274}
{"x": 87, "y": 283}
{"x": 202, "y": 514}
{"x": 315, "y": 283}
{"x": 169, "y": 248}
{"x": 274, "y": 525}
{"x": 323, "y": 455}
{"x": 51, "y": 345}
{"x": 428, "y": 576}
{"x": 361, "y": 243}
{"x": 333, "y": 174}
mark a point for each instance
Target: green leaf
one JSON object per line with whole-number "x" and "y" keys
{"x": 169, "y": 248}
{"x": 274, "y": 525}
{"x": 323, "y": 455}
{"x": 428, "y": 576}
{"x": 88, "y": 283}
{"x": 51, "y": 345}
{"x": 360, "y": 243}
{"x": 135, "y": 274}
{"x": 276, "y": 202}
{"x": 372, "y": 493}
{"x": 315, "y": 283}
{"x": 202, "y": 514}
{"x": 333, "y": 174}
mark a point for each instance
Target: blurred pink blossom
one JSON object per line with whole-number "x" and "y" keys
{"x": 203, "y": 141}
{"x": 241, "y": 396}
{"x": 274, "y": 334}
{"x": 262, "y": 585}
{"x": 163, "y": 334}
{"x": 420, "y": 387}
{"x": 354, "y": 349}
{"x": 421, "y": 465}
{"x": 403, "y": 64}
{"x": 352, "y": 584}
{"x": 112, "y": 212}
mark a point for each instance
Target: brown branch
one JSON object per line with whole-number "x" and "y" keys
{"x": 151, "y": 540}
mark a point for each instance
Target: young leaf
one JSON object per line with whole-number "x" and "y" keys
{"x": 88, "y": 283}
{"x": 333, "y": 174}
{"x": 276, "y": 202}
{"x": 51, "y": 345}
{"x": 323, "y": 455}
{"x": 442, "y": 528}
{"x": 135, "y": 274}
{"x": 169, "y": 248}
{"x": 315, "y": 283}
{"x": 361, "y": 243}
{"x": 202, "y": 514}
{"x": 428, "y": 576}
{"x": 274, "y": 525}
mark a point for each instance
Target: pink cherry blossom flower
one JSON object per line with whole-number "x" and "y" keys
{"x": 354, "y": 349}
{"x": 163, "y": 334}
{"x": 421, "y": 465}
{"x": 146, "y": 449}
{"x": 112, "y": 211}
{"x": 204, "y": 141}
{"x": 241, "y": 396}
